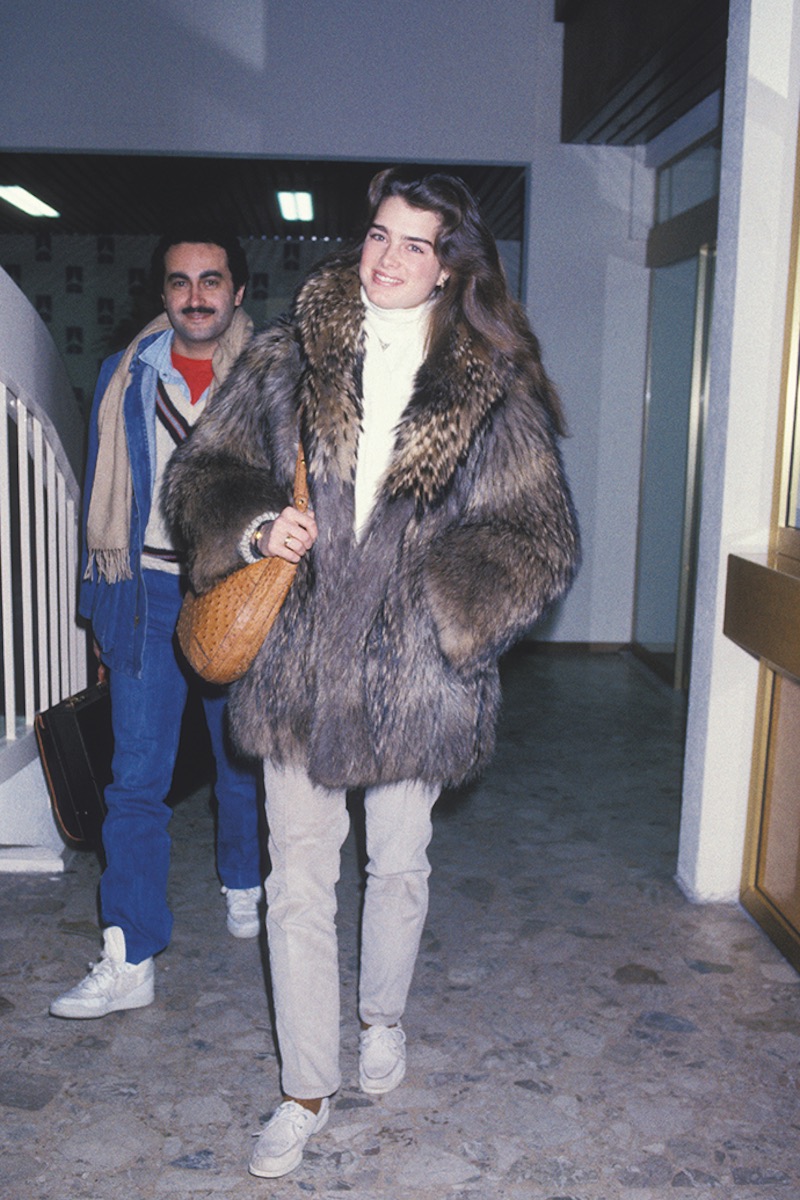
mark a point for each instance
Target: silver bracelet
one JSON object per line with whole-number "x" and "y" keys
{"x": 248, "y": 537}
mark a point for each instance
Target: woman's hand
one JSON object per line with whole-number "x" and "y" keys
{"x": 289, "y": 536}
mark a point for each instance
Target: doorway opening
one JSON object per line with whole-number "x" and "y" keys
{"x": 681, "y": 257}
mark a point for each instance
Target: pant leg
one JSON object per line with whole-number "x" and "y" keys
{"x": 238, "y": 850}
{"x": 307, "y": 827}
{"x": 146, "y": 718}
{"x": 396, "y": 900}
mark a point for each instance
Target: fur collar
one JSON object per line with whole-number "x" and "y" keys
{"x": 454, "y": 393}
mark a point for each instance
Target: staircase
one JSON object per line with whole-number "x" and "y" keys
{"x": 43, "y": 650}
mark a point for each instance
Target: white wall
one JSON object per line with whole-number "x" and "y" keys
{"x": 393, "y": 80}
{"x": 759, "y": 139}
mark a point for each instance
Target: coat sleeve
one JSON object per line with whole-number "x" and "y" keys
{"x": 239, "y": 460}
{"x": 514, "y": 549}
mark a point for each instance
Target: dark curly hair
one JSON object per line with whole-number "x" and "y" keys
{"x": 237, "y": 260}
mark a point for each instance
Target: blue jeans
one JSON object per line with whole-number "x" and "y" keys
{"x": 146, "y": 717}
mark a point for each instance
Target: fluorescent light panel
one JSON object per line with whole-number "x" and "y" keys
{"x": 296, "y": 206}
{"x": 20, "y": 197}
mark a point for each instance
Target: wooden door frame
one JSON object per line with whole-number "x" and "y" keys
{"x": 762, "y": 610}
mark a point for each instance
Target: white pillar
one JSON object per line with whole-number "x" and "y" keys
{"x": 762, "y": 89}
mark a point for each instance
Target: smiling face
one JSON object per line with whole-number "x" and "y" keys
{"x": 399, "y": 267}
{"x": 199, "y": 296}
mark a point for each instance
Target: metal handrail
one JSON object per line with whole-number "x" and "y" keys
{"x": 43, "y": 657}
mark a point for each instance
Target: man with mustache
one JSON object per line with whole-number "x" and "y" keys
{"x": 146, "y": 402}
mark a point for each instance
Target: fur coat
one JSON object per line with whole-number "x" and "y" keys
{"x": 383, "y": 664}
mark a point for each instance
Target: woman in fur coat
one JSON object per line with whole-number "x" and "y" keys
{"x": 441, "y": 527}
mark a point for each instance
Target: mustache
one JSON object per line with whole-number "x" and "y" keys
{"x": 190, "y": 309}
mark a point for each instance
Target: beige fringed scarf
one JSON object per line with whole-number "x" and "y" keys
{"x": 109, "y": 521}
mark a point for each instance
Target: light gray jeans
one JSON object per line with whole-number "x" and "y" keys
{"x": 307, "y": 828}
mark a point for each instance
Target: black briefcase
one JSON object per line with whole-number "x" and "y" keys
{"x": 75, "y": 744}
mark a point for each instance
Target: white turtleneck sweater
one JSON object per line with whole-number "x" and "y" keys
{"x": 394, "y": 351}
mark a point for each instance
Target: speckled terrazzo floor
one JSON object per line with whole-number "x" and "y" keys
{"x": 577, "y": 1030}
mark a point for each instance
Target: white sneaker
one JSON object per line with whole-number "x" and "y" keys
{"x": 244, "y": 920}
{"x": 281, "y": 1143}
{"x": 381, "y": 1058}
{"x": 112, "y": 983}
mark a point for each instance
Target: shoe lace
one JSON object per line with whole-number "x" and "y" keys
{"x": 288, "y": 1113}
{"x": 241, "y": 898}
{"x": 100, "y": 973}
{"x": 385, "y": 1035}
{"x": 295, "y": 1114}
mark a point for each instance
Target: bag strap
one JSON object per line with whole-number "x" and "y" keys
{"x": 300, "y": 481}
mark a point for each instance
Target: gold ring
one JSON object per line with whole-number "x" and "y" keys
{"x": 287, "y": 539}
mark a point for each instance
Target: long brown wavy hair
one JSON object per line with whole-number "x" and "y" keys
{"x": 476, "y": 294}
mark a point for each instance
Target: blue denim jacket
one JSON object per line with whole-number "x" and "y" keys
{"x": 118, "y": 611}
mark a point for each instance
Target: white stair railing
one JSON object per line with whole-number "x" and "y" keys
{"x": 43, "y": 656}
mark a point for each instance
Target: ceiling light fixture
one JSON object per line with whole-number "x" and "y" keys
{"x": 20, "y": 197}
{"x": 296, "y": 206}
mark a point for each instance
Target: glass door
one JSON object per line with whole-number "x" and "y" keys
{"x": 675, "y": 401}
